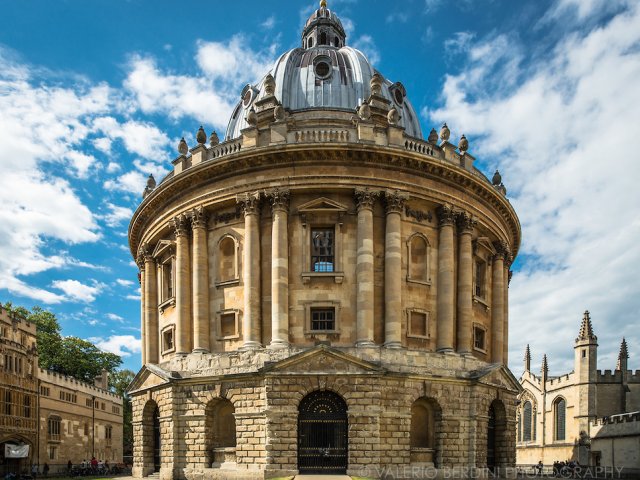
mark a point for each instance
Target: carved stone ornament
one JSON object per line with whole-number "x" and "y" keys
{"x": 445, "y": 133}
{"x": 364, "y": 112}
{"x": 466, "y": 222}
{"x": 418, "y": 215}
{"x": 180, "y": 225}
{"x": 198, "y": 217}
{"x": 201, "y": 136}
{"x": 376, "y": 84}
{"x": 269, "y": 85}
{"x": 183, "y": 148}
{"x": 365, "y": 198}
{"x": 502, "y": 251}
{"x": 213, "y": 139}
{"x": 463, "y": 144}
{"x": 446, "y": 215}
{"x": 144, "y": 253}
{"x": 393, "y": 117}
{"x": 252, "y": 117}
{"x": 249, "y": 203}
{"x": 433, "y": 137}
{"x": 279, "y": 199}
{"x": 394, "y": 201}
{"x": 278, "y": 113}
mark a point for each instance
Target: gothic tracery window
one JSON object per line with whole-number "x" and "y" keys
{"x": 559, "y": 415}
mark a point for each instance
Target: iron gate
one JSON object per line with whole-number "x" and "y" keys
{"x": 156, "y": 440}
{"x": 323, "y": 434}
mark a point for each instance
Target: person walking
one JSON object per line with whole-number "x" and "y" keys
{"x": 34, "y": 470}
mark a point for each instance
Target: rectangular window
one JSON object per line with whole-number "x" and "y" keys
{"x": 323, "y": 319}
{"x": 481, "y": 273}
{"x": 103, "y": 406}
{"x": 53, "y": 452}
{"x": 418, "y": 324}
{"x": 7, "y": 402}
{"x": 86, "y": 429}
{"x": 115, "y": 410}
{"x": 479, "y": 338}
{"x": 26, "y": 407}
{"x": 228, "y": 325}
{"x": 166, "y": 279}
{"x": 167, "y": 340}
{"x": 322, "y": 249}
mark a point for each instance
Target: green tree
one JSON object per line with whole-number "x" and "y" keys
{"x": 118, "y": 383}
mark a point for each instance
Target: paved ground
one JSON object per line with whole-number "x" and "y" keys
{"x": 322, "y": 477}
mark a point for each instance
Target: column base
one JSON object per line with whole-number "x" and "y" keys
{"x": 250, "y": 346}
{"x": 393, "y": 345}
{"x": 365, "y": 344}
{"x": 200, "y": 350}
{"x": 446, "y": 350}
{"x": 278, "y": 344}
{"x": 466, "y": 353}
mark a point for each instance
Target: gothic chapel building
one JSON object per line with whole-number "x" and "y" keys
{"x": 324, "y": 291}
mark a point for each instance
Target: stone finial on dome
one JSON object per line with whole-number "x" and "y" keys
{"x": 323, "y": 3}
{"x": 252, "y": 117}
{"x": 376, "y": 84}
{"x": 586, "y": 329}
{"x": 393, "y": 117}
{"x": 151, "y": 182}
{"x": 364, "y": 111}
{"x": 463, "y": 144}
{"x": 201, "y": 136}
{"x": 445, "y": 133}
{"x": 433, "y": 137}
{"x": 497, "y": 179}
{"x": 183, "y": 148}
{"x": 213, "y": 139}
{"x": 269, "y": 85}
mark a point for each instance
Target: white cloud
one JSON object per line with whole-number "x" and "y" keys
{"x": 269, "y": 23}
{"x": 132, "y": 182}
{"x": 122, "y": 345}
{"x": 124, "y": 283}
{"x": 113, "y": 167}
{"x": 77, "y": 291}
{"x": 559, "y": 127}
{"x": 367, "y": 45}
{"x": 117, "y": 215}
{"x": 114, "y": 317}
{"x": 459, "y": 43}
{"x": 139, "y": 138}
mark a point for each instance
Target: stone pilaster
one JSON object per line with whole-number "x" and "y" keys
{"x": 251, "y": 331}
{"x": 465, "y": 283}
{"x": 142, "y": 280}
{"x": 365, "y": 200}
{"x": 446, "y": 293}
{"x": 183, "y": 286}
{"x": 200, "y": 271}
{"x": 394, "y": 204}
{"x": 507, "y": 280}
{"x": 497, "y": 304}
{"x": 279, "y": 269}
{"x": 149, "y": 290}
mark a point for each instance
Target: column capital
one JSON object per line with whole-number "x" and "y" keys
{"x": 198, "y": 217}
{"x": 144, "y": 255}
{"x": 249, "y": 203}
{"x": 394, "y": 201}
{"x": 446, "y": 215}
{"x": 465, "y": 221}
{"x": 180, "y": 225}
{"x": 365, "y": 198}
{"x": 503, "y": 252}
{"x": 279, "y": 199}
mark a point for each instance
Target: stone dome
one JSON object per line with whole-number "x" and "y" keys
{"x": 324, "y": 74}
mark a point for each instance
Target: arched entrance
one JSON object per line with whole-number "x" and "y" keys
{"x": 156, "y": 440}
{"x": 491, "y": 439}
{"x": 323, "y": 434}
{"x": 497, "y": 437}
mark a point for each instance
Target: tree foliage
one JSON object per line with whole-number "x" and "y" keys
{"x": 118, "y": 383}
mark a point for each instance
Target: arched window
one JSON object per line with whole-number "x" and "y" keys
{"x": 418, "y": 258}
{"x": 526, "y": 422}
{"x": 323, "y": 38}
{"x": 425, "y": 416}
{"x": 336, "y": 42}
{"x": 310, "y": 42}
{"x": 559, "y": 415}
{"x": 53, "y": 428}
{"x": 227, "y": 259}
{"x": 221, "y": 431}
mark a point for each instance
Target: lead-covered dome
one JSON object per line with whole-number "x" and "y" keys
{"x": 324, "y": 74}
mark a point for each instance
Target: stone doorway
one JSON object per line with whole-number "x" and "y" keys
{"x": 323, "y": 434}
{"x": 491, "y": 439}
{"x": 156, "y": 440}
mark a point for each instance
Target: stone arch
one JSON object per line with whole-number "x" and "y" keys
{"x": 559, "y": 418}
{"x": 227, "y": 262}
{"x": 151, "y": 439}
{"x": 309, "y": 386}
{"x": 425, "y": 433}
{"x": 220, "y": 432}
{"x": 497, "y": 436}
{"x": 16, "y": 465}
{"x": 418, "y": 252}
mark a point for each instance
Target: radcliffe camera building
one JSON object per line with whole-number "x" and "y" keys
{"x": 325, "y": 290}
{"x": 46, "y": 417}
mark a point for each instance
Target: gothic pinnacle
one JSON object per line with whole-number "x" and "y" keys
{"x": 623, "y": 355}
{"x": 545, "y": 366}
{"x": 586, "y": 329}
{"x": 527, "y": 359}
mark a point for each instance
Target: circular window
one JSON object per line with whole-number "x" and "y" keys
{"x": 323, "y": 69}
{"x": 246, "y": 99}
{"x": 397, "y": 94}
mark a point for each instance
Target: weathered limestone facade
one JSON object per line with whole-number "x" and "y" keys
{"x": 324, "y": 265}
{"x": 569, "y": 417}
{"x": 58, "y": 417}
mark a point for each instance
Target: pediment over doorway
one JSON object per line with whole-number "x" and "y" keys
{"x": 322, "y": 360}
{"x": 150, "y": 376}
{"x": 322, "y": 205}
{"x": 498, "y": 376}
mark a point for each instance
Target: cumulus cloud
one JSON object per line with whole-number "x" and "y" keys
{"x": 117, "y": 215}
{"x": 122, "y": 345}
{"x": 124, "y": 283}
{"x": 559, "y": 127}
{"x": 367, "y": 45}
{"x": 114, "y": 317}
{"x": 139, "y": 138}
{"x": 77, "y": 291}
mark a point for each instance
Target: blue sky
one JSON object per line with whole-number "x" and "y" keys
{"x": 95, "y": 95}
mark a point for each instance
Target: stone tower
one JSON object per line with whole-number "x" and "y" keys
{"x": 585, "y": 367}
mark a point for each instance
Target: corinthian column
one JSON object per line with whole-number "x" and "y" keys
{"x": 394, "y": 203}
{"x": 250, "y": 204}
{"x": 445, "y": 298}
{"x": 149, "y": 289}
{"x": 364, "y": 267}
{"x": 279, "y": 269}
{"x": 507, "y": 280}
{"x": 183, "y": 284}
{"x": 497, "y": 304}
{"x": 200, "y": 281}
{"x": 465, "y": 282}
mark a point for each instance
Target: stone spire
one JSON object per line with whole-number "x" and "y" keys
{"x": 623, "y": 356}
{"x": 586, "y": 330}
{"x": 545, "y": 368}
{"x": 527, "y": 359}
